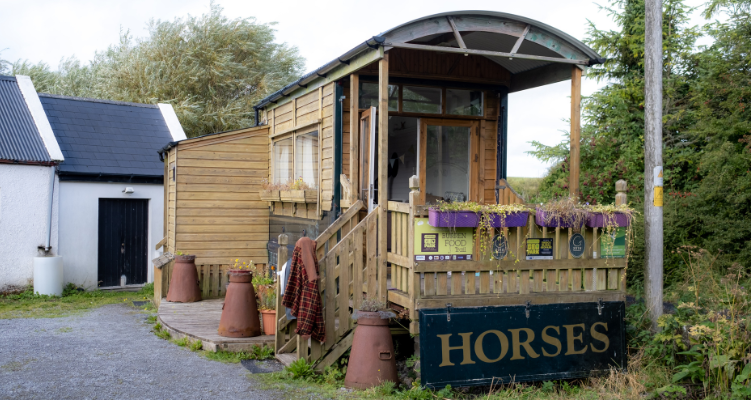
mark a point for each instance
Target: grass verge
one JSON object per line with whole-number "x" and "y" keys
{"x": 29, "y": 305}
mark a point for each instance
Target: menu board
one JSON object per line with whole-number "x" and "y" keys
{"x": 442, "y": 244}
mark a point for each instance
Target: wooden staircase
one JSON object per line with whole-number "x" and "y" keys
{"x": 346, "y": 253}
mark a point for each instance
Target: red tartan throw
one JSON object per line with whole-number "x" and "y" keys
{"x": 303, "y": 298}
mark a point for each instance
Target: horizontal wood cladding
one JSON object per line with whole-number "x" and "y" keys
{"x": 214, "y": 209}
{"x": 421, "y": 64}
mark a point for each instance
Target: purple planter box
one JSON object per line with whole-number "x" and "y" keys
{"x": 452, "y": 219}
{"x": 555, "y": 223}
{"x": 512, "y": 220}
{"x": 597, "y": 220}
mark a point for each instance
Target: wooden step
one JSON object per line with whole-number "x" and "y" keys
{"x": 287, "y": 358}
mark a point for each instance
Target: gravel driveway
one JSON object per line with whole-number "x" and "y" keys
{"x": 110, "y": 353}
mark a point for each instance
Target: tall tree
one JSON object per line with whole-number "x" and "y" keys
{"x": 210, "y": 68}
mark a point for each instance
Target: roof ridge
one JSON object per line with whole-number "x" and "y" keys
{"x": 115, "y": 102}
{"x": 7, "y": 78}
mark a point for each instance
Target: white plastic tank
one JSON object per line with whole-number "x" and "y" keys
{"x": 48, "y": 275}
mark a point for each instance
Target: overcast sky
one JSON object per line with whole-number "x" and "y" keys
{"x": 48, "y": 30}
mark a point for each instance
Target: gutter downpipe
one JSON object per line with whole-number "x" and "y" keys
{"x": 47, "y": 244}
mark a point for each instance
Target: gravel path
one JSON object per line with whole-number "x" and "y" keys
{"x": 110, "y": 353}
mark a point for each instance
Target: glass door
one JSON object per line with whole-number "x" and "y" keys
{"x": 446, "y": 162}
{"x": 368, "y": 157}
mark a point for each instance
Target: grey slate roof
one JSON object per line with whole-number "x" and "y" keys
{"x": 104, "y": 137}
{"x": 19, "y": 138}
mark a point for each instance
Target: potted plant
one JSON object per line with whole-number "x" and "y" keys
{"x": 562, "y": 213}
{"x": 183, "y": 286}
{"x": 609, "y": 215}
{"x": 269, "y": 191}
{"x": 240, "y": 309}
{"x": 267, "y": 307}
{"x": 371, "y": 360}
{"x": 506, "y": 215}
{"x": 298, "y": 191}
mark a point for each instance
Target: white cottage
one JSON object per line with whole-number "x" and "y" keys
{"x": 109, "y": 189}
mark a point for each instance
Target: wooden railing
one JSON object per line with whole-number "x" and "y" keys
{"x": 212, "y": 279}
{"x": 347, "y": 268}
{"x": 511, "y": 280}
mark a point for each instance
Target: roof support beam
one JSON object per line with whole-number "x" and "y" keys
{"x": 486, "y": 53}
{"x": 457, "y": 35}
{"x": 520, "y": 40}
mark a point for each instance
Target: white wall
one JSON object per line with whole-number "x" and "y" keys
{"x": 79, "y": 225}
{"x": 24, "y": 202}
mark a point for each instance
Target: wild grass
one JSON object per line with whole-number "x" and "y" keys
{"x": 27, "y": 304}
{"x": 527, "y": 188}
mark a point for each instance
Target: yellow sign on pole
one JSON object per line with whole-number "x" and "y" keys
{"x": 658, "y": 182}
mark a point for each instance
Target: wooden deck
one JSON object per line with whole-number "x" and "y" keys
{"x": 200, "y": 321}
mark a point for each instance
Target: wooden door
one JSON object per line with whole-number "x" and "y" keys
{"x": 123, "y": 241}
{"x": 368, "y": 157}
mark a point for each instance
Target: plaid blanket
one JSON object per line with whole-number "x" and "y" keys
{"x": 303, "y": 298}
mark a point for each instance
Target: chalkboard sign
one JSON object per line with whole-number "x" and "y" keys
{"x": 540, "y": 249}
{"x": 475, "y": 346}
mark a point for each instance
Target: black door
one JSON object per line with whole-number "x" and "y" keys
{"x": 123, "y": 241}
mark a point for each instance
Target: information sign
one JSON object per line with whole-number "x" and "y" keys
{"x": 442, "y": 244}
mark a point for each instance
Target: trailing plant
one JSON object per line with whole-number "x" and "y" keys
{"x": 565, "y": 211}
{"x": 610, "y": 213}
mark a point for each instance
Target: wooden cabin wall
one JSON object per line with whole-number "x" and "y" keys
{"x": 300, "y": 112}
{"x": 488, "y": 143}
{"x": 345, "y": 132}
{"x": 214, "y": 210}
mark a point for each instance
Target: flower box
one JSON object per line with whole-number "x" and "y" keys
{"x": 298, "y": 196}
{"x": 271, "y": 195}
{"x": 509, "y": 220}
{"x": 601, "y": 220}
{"x": 557, "y": 222}
{"x": 452, "y": 219}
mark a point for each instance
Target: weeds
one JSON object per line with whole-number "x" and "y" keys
{"x": 257, "y": 353}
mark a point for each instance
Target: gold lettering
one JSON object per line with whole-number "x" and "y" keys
{"x": 516, "y": 344}
{"x": 481, "y": 353}
{"x": 551, "y": 340}
{"x": 465, "y": 347}
{"x": 571, "y": 339}
{"x": 600, "y": 337}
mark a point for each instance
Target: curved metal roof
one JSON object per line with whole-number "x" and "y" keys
{"x": 481, "y": 30}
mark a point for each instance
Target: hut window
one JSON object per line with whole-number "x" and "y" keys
{"x": 418, "y": 99}
{"x": 306, "y": 158}
{"x": 464, "y": 102}
{"x": 369, "y": 96}
{"x": 283, "y": 159}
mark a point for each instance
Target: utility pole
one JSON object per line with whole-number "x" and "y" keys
{"x": 653, "y": 159}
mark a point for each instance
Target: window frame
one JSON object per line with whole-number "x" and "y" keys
{"x": 293, "y": 135}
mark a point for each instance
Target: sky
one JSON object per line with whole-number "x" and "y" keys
{"x": 49, "y": 30}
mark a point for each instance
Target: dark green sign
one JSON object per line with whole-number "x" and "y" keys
{"x": 500, "y": 249}
{"x": 613, "y": 244}
{"x": 576, "y": 245}
{"x": 475, "y": 346}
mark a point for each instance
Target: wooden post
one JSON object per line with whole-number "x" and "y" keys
{"x": 620, "y": 197}
{"x": 576, "y": 98}
{"x": 354, "y": 138}
{"x": 414, "y": 278}
{"x": 383, "y": 159}
{"x": 653, "y": 159}
{"x": 281, "y": 258}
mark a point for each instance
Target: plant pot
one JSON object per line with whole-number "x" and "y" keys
{"x": 240, "y": 310}
{"x": 510, "y": 220}
{"x": 452, "y": 219}
{"x": 557, "y": 222}
{"x": 298, "y": 196}
{"x": 269, "y": 321}
{"x": 271, "y": 195}
{"x": 601, "y": 220}
{"x": 371, "y": 360}
{"x": 183, "y": 286}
